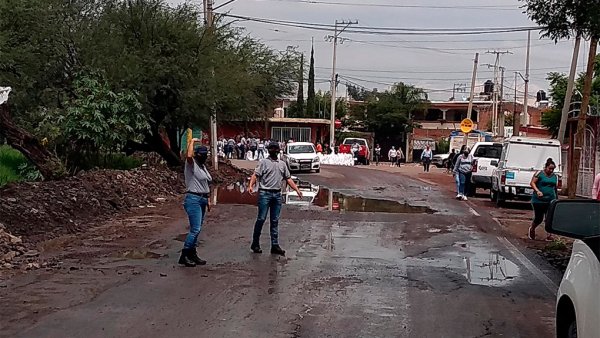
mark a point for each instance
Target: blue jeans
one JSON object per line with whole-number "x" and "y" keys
{"x": 195, "y": 207}
{"x": 457, "y": 179}
{"x": 463, "y": 183}
{"x": 272, "y": 201}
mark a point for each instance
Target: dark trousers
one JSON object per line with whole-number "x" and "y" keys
{"x": 426, "y": 164}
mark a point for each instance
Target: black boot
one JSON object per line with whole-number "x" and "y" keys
{"x": 255, "y": 248}
{"x": 185, "y": 258}
{"x": 277, "y": 250}
{"x": 194, "y": 257}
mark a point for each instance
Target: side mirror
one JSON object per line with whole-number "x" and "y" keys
{"x": 579, "y": 219}
{"x": 494, "y": 163}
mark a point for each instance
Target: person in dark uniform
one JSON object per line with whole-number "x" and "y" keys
{"x": 270, "y": 174}
{"x": 196, "y": 204}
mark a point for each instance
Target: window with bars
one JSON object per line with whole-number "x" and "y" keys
{"x": 298, "y": 134}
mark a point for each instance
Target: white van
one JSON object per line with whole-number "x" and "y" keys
{"x": 521, "y": 158}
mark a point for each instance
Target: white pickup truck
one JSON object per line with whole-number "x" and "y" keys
{"x": 486, "y": 155}
{"x": 521, "y": 158}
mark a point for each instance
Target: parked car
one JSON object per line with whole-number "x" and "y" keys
{"x": 521, "y": 158}
{"x": 363, "y": 153}
{"x": 440, "y": 160}
{"x": 578, "y": 298}
{"x": 486, "y": 155}
{"x": 301, "y": 156}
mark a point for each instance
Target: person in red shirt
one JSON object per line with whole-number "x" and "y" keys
{"x": 319, "y": 147}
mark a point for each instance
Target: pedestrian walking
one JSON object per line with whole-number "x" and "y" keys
{"x": 450, "y": 161}
{"x": 231, "y": 148}
{"x": 596, "y": 188}
{"x": 545, "y": 188}
{"x": 462, "y": 173}
{"x": 253, "y": 147}
{"x": 270, "y": 174}
{"x": 426, "y": 157}
{"x": 392, "y": 154}
{"x": 399, "y": 156}
{"x": 261, "y": 150}
{"x": 377, "y": 154}
{"x": 196, "y": 203}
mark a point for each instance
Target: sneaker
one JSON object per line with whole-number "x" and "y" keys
{"x": 256, "y": 249}
{"x": 464, "y": 198}
{"x": 459, "y": 196}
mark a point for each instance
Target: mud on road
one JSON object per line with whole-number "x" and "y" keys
{"x": 348, "y": 273}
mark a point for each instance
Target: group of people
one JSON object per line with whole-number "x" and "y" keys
{"x": 231, "y": 148}
{"x": 268, "y": 176}
{"x": 394, "y": 155}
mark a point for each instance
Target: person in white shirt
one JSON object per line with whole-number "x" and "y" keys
{"x": 261, "y": 150}
{"x": 596, "y": 188}
{"x": 392, "y": 154}
{"x": 426, "y": 157}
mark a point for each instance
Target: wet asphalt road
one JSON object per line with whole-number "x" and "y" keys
{"x": 347, "y": 274}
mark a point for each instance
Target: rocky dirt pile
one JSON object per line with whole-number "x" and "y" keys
{"x": 13, "y": 252}
{"x": 43, "y": 210}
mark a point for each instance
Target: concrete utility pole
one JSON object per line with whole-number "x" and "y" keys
{"x": 335, "y": 38}
{"x": 526, "y": 97}
{"x": 209, "y": 21}
{"x": 567, "y": 104}
{"x": 516, "y": 117}
{"x": 495, "y": 122}
{"x": 472, "y": 95}
{"x": 500, "y": 106}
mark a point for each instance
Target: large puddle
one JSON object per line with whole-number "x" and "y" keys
{"x": 316, "y": 196}
{"x": 490, "y": 268}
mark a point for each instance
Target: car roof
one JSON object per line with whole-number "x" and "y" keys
{"x": 521, "y": 139}
{"x": 301, "y": 144}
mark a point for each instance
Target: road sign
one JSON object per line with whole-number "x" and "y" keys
{"x": 466, "y": 126}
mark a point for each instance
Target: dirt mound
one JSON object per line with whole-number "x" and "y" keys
{"x": 43, "y": 210}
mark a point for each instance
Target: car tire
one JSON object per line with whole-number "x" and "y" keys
{"x": 318, "y": 170}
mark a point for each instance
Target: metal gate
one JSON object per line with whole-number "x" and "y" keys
{"x": 585, "y": 180}
{"x": 283, "y": 134}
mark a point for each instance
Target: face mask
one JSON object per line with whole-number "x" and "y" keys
{"x": 200, "y": 159}
{"x": 466, "y": 153}
{"x": 273, "y": 154}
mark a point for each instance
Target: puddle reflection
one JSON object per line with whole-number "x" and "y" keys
{"x": 313, "y": 195}
{"x": 489, "y": 268}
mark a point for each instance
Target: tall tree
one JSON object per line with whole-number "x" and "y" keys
{"x": 563, "y": 19}
{"x": 300, "y": 100}
{"x": 310, "y": 101}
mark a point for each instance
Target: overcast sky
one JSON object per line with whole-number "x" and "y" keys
{"x": 431, "y": 62}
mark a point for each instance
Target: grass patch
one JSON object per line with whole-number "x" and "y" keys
{"x": 10, "y": 162}
{"x": 556, "y": 245}
{"x": 107, "y": 161}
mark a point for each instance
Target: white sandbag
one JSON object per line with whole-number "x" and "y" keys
{"x": 339, "y": 159}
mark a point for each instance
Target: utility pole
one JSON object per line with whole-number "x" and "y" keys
{"x": 516, "y": 116}
{"x": 209, "y": 21}
{"x": 472, "y": 95}
{"x": 335, "y": 38}
{"x": 495, "y": 122}
{"x": 458, "y": 87}
{"x": 567, "y": 104}
{"x": 525, "y": 99}
{"x": 500, "y": 106}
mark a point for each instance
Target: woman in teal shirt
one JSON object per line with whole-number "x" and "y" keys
{"x": 545, "y": 185}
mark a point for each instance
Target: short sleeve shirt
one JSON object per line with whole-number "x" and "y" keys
{"x": 197, "y": 178}
{"x": 271, "y": 173}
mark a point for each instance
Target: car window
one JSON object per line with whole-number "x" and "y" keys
{"x": 489, "y": 151}
{"x": 301, "y": 149}
{"x": 351, "y": 141}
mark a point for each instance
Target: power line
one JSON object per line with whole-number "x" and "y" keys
{"x": 388, "y": 30}
{"x": 459, "y": 7}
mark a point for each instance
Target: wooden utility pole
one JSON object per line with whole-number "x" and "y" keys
{"x": 582, "y": 121}
{"x": 472, "y": 95}
{"x": 565, "y": 109}
{"x": 209, "y": 21}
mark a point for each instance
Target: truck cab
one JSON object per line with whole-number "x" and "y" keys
{"x": 521, "y": 158}
{"x": 358, "y": 147}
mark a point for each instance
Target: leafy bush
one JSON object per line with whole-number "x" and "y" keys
{"x": 115, "y": 161}
{"x": 10, "y": 161}
{"x": 443, "y": 146}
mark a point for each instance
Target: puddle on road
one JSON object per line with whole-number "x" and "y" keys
{"x": 489, "y": 268}
{"x": 237, "y": 193}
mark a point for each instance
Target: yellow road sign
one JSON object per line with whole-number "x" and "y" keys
{"x": 466, "y": 126}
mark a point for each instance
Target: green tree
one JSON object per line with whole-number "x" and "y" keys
{"x": 310, "y": 101}
{"x": 300, "y": 100}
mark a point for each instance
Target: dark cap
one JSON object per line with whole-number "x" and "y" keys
{"x": 202, "y": 150}
{"x": 273, "y": 146}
